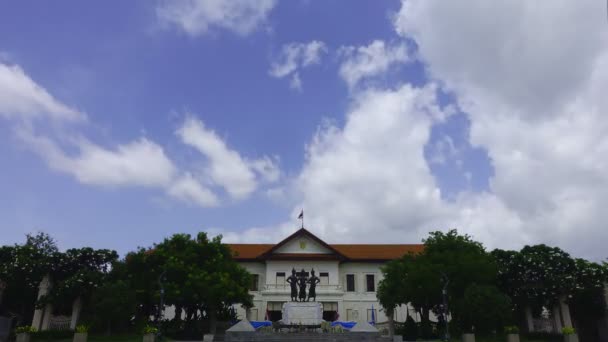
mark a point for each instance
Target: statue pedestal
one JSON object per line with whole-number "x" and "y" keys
{"x": 306, "y": 313}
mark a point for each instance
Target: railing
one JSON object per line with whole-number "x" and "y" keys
{"x": 60, "y": 323}
{"x": 286, "y": 288}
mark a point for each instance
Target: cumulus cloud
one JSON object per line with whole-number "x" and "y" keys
{"x": 21, "y": 97}
{"x": 360, "y": 62}
{"x": 294, "y": 57}
{"x": 188, "y": 189}
{"x": 198, "y": 17}
{"x": 141, "y": 162}
{"x": 529, "y": 79}
{"x": 138, "y": 163}
{"x": 226, "y": 167}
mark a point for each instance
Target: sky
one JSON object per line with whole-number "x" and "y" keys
{"x": 124, "y": 122}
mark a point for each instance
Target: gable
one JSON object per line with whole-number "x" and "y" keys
{"x": 302, "y": 245}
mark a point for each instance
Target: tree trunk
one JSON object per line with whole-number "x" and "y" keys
{"x": 391, "y": 322}
{"x": 178, "y": 313}
{"x": 212, "y": 321}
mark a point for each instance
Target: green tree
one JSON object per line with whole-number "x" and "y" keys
{"x": 536, "y": 276}
{"x": 22, "y": 267}
{"x": 113, "y": 304}
{"x": 486, "y": 309}
{"x": 201, "y": 274}
{"x": 76, "y": 274}
{"x": 417, "y": 278}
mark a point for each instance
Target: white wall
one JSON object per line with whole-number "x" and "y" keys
{"x": 310, "y": 246}
{"x": 272, "y": 267}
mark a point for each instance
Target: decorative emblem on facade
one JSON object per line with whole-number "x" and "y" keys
{"x": 302, "y": 244}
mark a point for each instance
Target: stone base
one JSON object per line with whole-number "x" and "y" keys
{"x": 468, "y": 337}
{"x": 512, "y": 337}
{"x": 571, "y": 338}
{"x": 23, "y": 337}
{"x": 80, "y": 337}
{"x": 305, "y": 313}
{"x": 149, "y": 338}
{"x": 304, "y": 337}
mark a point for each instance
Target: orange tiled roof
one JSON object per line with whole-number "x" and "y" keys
{"x": 351, "y": 251}
{"x": 377, "y": 252}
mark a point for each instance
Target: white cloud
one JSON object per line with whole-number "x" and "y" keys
{"x": 226, "y": 167}
{"x": 140, "y": 163}
{"x": 21, "y": 97}
{"x": 198, "y": 17}
{"x": 188, "y": 189}
{"x": 532, "y": 80}
{"x": 294, "y": 57}
{"x": 529, "y": 76}
{"x": 371, "y": 60}
{"x": 267, "y": 168}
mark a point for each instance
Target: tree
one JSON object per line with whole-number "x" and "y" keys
{"x": 76, "y": 273}
{"x": 417, "y": 278}
{"x": 22, "y": 267}
{"x": 487, "y": 309}
{"x": 537, "y": 275}
{"x": 113, "y": 304}
{"x": 587, "y": 302}
{"x": 201, "y": 274}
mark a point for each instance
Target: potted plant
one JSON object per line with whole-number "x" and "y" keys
{"x": 81, "y": 333}
{"x": 512, "y": 332}
{"x": 569, "y": 334}
{"x": 23, "y": 333}
{"x": 150, "y": 333}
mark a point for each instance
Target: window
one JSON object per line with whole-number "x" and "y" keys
{"x": 253, "y": 315}
{"x": 350, "y": 315}
{"x": 324, "y": 277}
{"x": 255, "y": 279}
{"x": 274, "y": 311}
{"x": 350, "y": 283}
{"x": 372, "y": 315}
{"x": 280, "y": 278}
{"x": 371, "y": 283}
{"x": 330, "y": 311}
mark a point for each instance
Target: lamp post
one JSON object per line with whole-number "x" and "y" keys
{"x": 444, "y": 292}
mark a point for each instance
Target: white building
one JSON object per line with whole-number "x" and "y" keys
{"x": 349, "y": 275}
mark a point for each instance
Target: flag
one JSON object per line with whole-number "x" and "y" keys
{"x": 373, "y": 316}
{"x": 301, "y": 216}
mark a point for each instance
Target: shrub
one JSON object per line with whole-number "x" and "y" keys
{"x": 568, "y": 331}
{"x": 54, "y": 334}
{"x": 149, "y": 329}
{"x": 82, "y": 329}
{"x": 24, "y": 329}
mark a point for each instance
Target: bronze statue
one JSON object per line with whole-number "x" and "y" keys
{"x": 302, "y": 283}
{"x": 313, "y": 281}
{"x": 293, "y": 283}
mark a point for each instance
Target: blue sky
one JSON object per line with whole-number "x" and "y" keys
{"x": 150, "y": 118}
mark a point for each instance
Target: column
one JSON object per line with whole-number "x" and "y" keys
{"x": 529, "y": 319}
{"x": 39, "y": 314}
{"x": 565, "y": 311}
{"x": 76, "y": 308}
{"x": 2, "y": 287}
{"x": 557, "y": 320}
